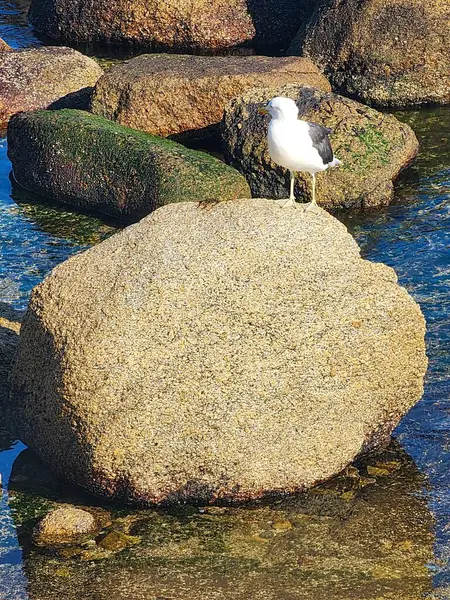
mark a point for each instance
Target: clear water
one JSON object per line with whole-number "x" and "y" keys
{"x": 362, "y": 537}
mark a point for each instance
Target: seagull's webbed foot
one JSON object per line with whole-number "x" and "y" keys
{"x": 312, "y": 207}
{"x": 287, "y": 202}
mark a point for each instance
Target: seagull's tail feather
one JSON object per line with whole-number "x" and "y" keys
{"x": 335, "y": 162}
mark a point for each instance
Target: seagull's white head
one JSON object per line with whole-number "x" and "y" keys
{"x": 281, "y": 108}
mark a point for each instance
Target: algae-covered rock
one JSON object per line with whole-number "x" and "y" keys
{"x": 40, "y": 77}
{"x": 376, "y": 546}
{"x": 372, "y": 146}
{"x": 65, "y": 526}
{"x": 170, "y": 95}
{"x": 88, "y": 161}
{"x": 384, "y": 52}
{"x": 215, "y": 354}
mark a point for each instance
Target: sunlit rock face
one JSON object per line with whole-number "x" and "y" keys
{"x": 184, "y": 96}
{"x": 216, "y": 353}
{"x": 42, "y": 77}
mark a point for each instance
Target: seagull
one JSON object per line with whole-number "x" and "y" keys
{"x": 297, "y": 145}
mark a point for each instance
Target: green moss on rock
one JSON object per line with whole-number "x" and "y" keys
{"x": 85, "y": 160}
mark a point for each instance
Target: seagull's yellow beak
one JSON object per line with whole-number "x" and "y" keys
{"x": 263, "y": 111}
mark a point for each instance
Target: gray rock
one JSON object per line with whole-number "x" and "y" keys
{"x": 204, "y": 354}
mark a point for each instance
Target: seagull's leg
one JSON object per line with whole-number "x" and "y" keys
{"x": 291, "y": 201}
{"x": 291, "y": 195}
{"x": 313, "y": 206}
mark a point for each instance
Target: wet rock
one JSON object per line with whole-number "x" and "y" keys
{"x": 175, "y": 24}
{"x": 387, "y": 53}
{"x": 193, "y": 355}
{"x": 170, "y": 95}
{"x": 9, "y": 338}
{"x": 43, "y": 77}
{"x": 380, "y": 547}
{"x": 117, "y": 540}
{"x": 372, "y": 146}
{"x": 87, "y": 161}
{"x": 4, "y": 47}
{"x": 65, "y": 526}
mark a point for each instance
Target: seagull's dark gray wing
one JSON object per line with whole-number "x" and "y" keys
{"x": 321, "y": 142}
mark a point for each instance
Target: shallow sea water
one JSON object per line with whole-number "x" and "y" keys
{"x": 380, "y": 531}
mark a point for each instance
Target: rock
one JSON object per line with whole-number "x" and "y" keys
{"x": 276, "y": 25}
{"x": 4, "y": 47}
{"x": 334, "y": 545}
{"x": 9, "y": 338}
{"x": 117, "y": 540}
{"x": 87, "y": 161}
{"x": 210, "y": 354}
{"x": 169, "y": 94}
{"x": 175, "y": 24}
{"x": 390, "y": 53}
{"x": 64, "y": 526}
{"x": 43, "y": 77}
{"x": 372, "y": 146}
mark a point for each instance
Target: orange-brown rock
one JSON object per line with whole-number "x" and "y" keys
{"x": 181, "y": 25}
{"x": 168, "y": 94}
{"x": 41, "y": 77}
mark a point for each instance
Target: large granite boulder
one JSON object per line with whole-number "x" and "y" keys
{"x": 221, "y": 353}
{"x": 182, "y": 25}
{"x": 90, "y": 162}
{"x": 169, "y": 94}
{"x": 372, "y": 146}
{"x": 40, "y": 77}
{"x": 390, "y": 53}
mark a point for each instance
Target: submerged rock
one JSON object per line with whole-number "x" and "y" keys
{"x": 170, "y": 95}
{"x": 372, "y": 146}
{"x": 390, "y": 53}
{"x": 213, "y": 354}
{"x": 177, "y": 24}
{"x": 41, "y": 77}
{"x": 87, "y": 161}
{"x": 65, "y": 526}
{"x": 379, "y": 545}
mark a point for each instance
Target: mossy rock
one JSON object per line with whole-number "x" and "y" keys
{"x": 372, "y": 146}
{"x": 87, "y": 161}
